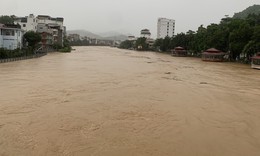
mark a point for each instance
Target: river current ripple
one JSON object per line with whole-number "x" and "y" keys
{"x": 100, "y": 101}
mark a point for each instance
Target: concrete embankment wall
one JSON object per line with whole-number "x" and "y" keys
{"x": 22, "y": 58}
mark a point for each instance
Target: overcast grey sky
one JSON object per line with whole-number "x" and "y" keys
{"x": 129, "y": 16}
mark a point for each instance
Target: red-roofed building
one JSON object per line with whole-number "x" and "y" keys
{"x": 213, "y": 55}
{"x": 256, "y": 61}
{"x": 179, "y": 51}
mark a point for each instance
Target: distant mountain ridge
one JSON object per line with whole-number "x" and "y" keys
{"x": 84, "y": 33}
{"x": 255, "y": 9}
{"x": 111, "y": 35}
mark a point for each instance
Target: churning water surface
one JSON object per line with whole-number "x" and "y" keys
{"x": 102, "y": 101}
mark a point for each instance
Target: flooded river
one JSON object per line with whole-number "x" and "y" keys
{"x": 101, "y": 101}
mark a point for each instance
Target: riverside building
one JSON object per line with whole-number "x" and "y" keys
{"x": 165, "y": 27}
{"x": 145, "y": 33}
{"x": 28, "y": 23}
{"x": 11, "y": 36}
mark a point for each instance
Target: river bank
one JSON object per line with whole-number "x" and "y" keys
{"x": 22, "y": 58}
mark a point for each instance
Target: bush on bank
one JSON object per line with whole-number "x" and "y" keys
{"x": 65, "y": 50}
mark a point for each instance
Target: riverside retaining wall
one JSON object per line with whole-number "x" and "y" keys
{"x": 22, "y": 58}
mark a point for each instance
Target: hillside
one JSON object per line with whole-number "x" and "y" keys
{"x": 109, "y": 34}
{"x": 118, "y": 37}
{"x": 84, "y": 33}
{"x": 106, "y": 36}
{"x": 255, "y": 9}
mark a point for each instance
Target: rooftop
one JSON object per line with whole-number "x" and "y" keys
{"x": 145, "y": 31}
{"x": 179, "y": 48}
{"x": 10, "y": 26}
{"x": 213, "y": 50}
{"x": 257, "y": 56}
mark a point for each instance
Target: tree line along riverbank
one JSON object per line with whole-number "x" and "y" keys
{"x": 238, "y": 36}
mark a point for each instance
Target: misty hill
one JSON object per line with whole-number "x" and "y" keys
{"x": 84, "y": 33}
{"x": 118, "y": 37}
{"x": 255, "y": 9}
{"x": 111, "y": 35}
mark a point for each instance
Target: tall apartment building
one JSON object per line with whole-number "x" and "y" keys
{"x": 165, "y": 27}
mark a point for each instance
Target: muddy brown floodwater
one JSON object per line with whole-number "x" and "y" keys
{"x": 101, "y": 101}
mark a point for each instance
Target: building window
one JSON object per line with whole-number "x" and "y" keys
{"x": 24, "y": 25}
{"x": 8, "y": 32}
{"x": 24, "y": 20}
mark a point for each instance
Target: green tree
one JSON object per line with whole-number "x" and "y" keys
{"x": 126, "y": 44}
{"x": 199, "y": 42}
{"x": 7, "y": 19}
{"x": 253, "y": 46}
{"x": 166, "y": 44}
{"x": 180, "y": 39}
{"x": 255, "y": 9}
{"x": 239, "y": 38}
{"x": 32, "y": 38}
{"x": 158, "y": 44}
{"x": 190, "y": 37}
{"x": 141, "y": 44}
{"x": 217, "y": 36}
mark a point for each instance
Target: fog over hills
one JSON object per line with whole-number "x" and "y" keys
{"x": 84, "y": 33}
{"x": 110, "y": 35}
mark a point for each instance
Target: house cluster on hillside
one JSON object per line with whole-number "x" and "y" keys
{"x": 51, "y": 29}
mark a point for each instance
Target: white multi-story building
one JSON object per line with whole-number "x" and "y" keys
{"x": 50, "y": 20}
{"x": 145, "y": 33}
{"x": 51, "y": 29}
{"x": 10, "y": 37}
{"x": 165, "y": 27}
{"x": 56, "y": 24}
{"x": 131, "y": 38}
{"x": 28, "y": 23}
